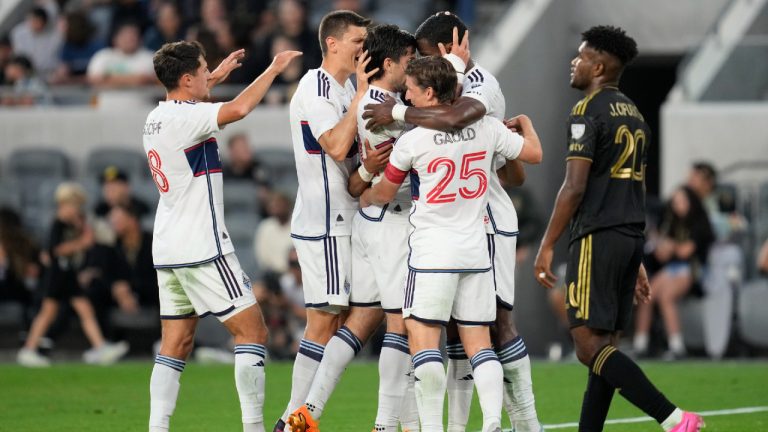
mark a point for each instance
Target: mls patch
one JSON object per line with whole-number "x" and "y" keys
{"x": 577, "y": 130}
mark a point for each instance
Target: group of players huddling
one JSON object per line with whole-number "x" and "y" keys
{"x": 401, "y": 218}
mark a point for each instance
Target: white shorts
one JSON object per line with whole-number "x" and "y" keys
{"x": 503, "y": 250}
{"x": 219, "y": 287}
{"x": 325, "y": 272}
{"x": 379, "y": 263}
{"x": 435, "y": 298}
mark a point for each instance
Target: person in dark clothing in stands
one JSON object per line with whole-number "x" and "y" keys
{"x": 116, "y": 190}
{"x": 19, "y": 265}
{"x": 133, "y": 251}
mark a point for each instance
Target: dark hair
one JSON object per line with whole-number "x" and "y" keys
{"x": 39, "y": 13}
{"x": 79, "y": 28}
{"x": 611, "y": 40}
{"x": 21, "y": 60}
{"x": 438, "y": 28}
{"x": 383, "y": 42}
{"x": 335, "y": 24}
{"x": 435, "y": 72}
{"x": 707, "y": 170}
{"x": 129, "y": 209}
{"x": 693, "y": 226}
{"x": 175, "y": 59}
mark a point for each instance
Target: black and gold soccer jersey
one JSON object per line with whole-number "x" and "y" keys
{"x": 607, "y": 129}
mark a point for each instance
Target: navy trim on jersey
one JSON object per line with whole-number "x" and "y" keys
{"x": 371, "y": 304}
{"x": 224, "y": 279}
{"x": 475, "y": 76}
{"x": 228, "y": 269}
{"x": 218, "y": 314}
{"x": 210, "y": 197}
{"x": 377, "y": 95}
{"x": 323, "y": 84}
{"x": 474, "y": 323}
{"x": 496, "y": 230}
{"x": 394, "y": 311}
{"x": 203, "y": 158}
{"x": 178, "y": 317}
{"x": 327, "y": 195}
{"x": 492, "y": 256}
{"x": 376, "y": 219}
{"x": 429, "y": 321}
{"x": 172, "y": 266}
{"x": 415, "y": 183}
{"x": 301, "y": 237}
{"x": 316, "y": 305}
{"x": 310, "y": 143}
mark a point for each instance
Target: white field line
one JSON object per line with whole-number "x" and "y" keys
{"x": 705, "y": 414}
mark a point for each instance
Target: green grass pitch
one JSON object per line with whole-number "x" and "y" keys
{"x": 74, "y": 397}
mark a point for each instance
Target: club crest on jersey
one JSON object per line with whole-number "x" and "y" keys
{"x": 577, "y": 130}
{"x": 246, "y": 281}
{"x": 346, "y": 287}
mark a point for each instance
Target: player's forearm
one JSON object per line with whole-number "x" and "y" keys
{"x": 247, "y": 100}
{"x": 566, "y": 204}
{"x": 443, "y": 117}
{"x": 532, "y": 152}
{"x": 356, "y": 185}
{"x": 377, "y": 196}
{"x": 338, "y": 140}
{"x": 512, "y": 173}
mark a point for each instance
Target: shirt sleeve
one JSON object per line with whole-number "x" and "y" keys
{"x": 97, "y": 64}
{"x": 582, "y": 137}
{"x": 400, "y": 163}
{"x": 508, "y": 144}
{"x": 479, "y": 90}
{"x": 322, "y": 116}
{"x": 203, "y": 120}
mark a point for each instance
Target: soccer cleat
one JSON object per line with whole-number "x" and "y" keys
{"x": 301, "y": 421}
{"x": 31, "y": 358}
{"x": 691, "y": 422}
{"x": 279, "y": 426}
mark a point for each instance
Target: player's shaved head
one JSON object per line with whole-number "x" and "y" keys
{"x": 386, "y": 41}
{"x": 336, "y": 23}
{"x": 438, "y": 28}
{"x": 612, "y": 42}
{"x": 174, "y": 60}
{"x": 435, "y": 72}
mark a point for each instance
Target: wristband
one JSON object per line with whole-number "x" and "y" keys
{"x": 364, "y": 174}
{"x": 398, "y": 112}
{"x": 457, "y": 63}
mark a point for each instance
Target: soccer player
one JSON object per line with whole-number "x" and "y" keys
{"x": 603, "y": 197}
{"x": 481, "y": 96}
{"x": 323, "y": 120}
{"x": 197, "y": 270}
{"x": 379, "y": 250}
{"x": 448, "y": 277}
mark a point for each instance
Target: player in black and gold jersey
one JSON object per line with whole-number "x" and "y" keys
{"x": 603, "y": 197}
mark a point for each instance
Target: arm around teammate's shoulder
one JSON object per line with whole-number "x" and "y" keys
{"x": 531, "y": 152}
{"x": 246, "y": 101}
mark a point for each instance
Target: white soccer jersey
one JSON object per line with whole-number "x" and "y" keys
{"x": 386, "y": 135}
{"x": 453, "y": 170}
{"x": 481, "y": 85}
{"x": 184, "y": 160}
{"x": 323, "y": 205}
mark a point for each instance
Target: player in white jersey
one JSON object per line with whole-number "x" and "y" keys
{"x": 379, "y": 252}
{"x": 323, "y": 122}
{"x": 480, "y": 96}
{"x": 197, "y": 270}
{"x": 448, "y": 278}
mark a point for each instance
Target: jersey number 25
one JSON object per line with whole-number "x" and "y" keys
{"x": 438, "y": 195}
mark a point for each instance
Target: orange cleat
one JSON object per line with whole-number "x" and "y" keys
{"x": 301, "y": 421}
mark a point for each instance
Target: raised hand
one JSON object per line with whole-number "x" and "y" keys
{"x": 376, "y": 159}
{"x": 362, "y": 75}
{"x": 380, "y": 114}
{"x": 226, "y": 67}
{"x": 458, "y": 48}
{"x": 282, "y": 60}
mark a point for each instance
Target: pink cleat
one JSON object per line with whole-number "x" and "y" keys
{"x": 691, "y": 423}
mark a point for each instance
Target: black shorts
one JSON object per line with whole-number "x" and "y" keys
{"x": 62, "y": 285}
{"x": 600, "y": 281}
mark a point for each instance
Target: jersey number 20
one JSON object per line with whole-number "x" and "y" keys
{"x": 437, "y": 195}
{"x": 634, "y": 143}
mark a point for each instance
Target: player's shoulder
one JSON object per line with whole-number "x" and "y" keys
{"x": 597, "y": 103}
{"x": 479, "y": 75}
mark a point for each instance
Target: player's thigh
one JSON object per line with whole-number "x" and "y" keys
{"x": 475, "y": 300}
{"x": 503, "y": 252}
{"x": 219, "y": 288}
{"x": 429, "y": 297}
{"x": 390, "y": 257}
{"x": 326, "y": 272}
{"x": 627, "y": 281}
{"x": 248, "y": 326}
{"x": 174, "y": 302}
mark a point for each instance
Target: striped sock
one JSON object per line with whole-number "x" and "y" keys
{"x": 490, "y": 389}
{"x": 304, "y": 369}
{"x": 394, "y": 371}
{"x": 460, "y": 386}
{"x": 342, "y": 348}
{"x": 163, "y": 391}
{"x": 430, "y": 389}
{"x": 249, "y": 380}
{"x": 518, "y": 385}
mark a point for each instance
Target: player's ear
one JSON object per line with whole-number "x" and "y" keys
{"x": 598, "y": 69}
{"x": 330, "y": 42}
{"x": 388, "y": 62}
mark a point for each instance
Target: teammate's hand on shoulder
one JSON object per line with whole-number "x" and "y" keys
{"x": 282, "y": 60}
{"x": 362, "y": 75}
{"x": 458, "y": 48}
{"x": 226, "y": 66}
{"x": 376, "y": 159}
{"x": 543, "y": 267}
{"x": 380, "y": 114}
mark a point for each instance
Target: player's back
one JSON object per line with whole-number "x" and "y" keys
{"x": 608, "y": 129}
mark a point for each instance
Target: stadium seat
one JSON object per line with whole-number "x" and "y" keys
{"x": 37, "y": 163}
{"x": 240, "y": 198}
{"x": 10, "y": 195}
{"x": 242, "y": 228}
{"x": 132, "y": 162}
{"x": 753, "y": 320}
{"x": 691, "y": 322}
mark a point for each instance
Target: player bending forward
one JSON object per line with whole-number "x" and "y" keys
{"x": 448, "y": 265}
{"x": 197, "y": 270}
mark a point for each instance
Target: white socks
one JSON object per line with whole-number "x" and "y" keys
{"x": 163, "y": 391}
{"x": 342, "y": 348}
{"x": 394, "y": 377}
{"x": 409, "y": 412}
{"x": 430, "y": 389}
{"x": 640, "y": 343}
{"x": 519, "y": 386}
{"x": 490, "y": 389}
{"x": 304, "y": 368}
{"x": 249, "y": 379}
{"x": 673, "y": 420}
{"x": 460, "y": 387}
{"x": 676, "y": 344}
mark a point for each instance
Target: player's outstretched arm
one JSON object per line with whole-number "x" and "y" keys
{"x": 337, "y": 140}
{"x": 226, "y": 67}
{"x": 531, "y": 152}
{"x": 247, "y": 100}
{"x": 380, "y": 194}
{"x": 567, "y": 202}
{"x": 462, "y": 113}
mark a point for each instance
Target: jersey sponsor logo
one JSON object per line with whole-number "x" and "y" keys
{"x": 577, "y": 130}
{"x": 203, "y": 158}
{"x": 466, "y": 134}
{"x": 576, "y": 147}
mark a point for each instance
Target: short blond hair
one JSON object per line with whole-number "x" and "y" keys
{"x": 70, "y": 192}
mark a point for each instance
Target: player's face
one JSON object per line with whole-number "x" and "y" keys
{"x": 426, "y": 49}
{"x": 397, "y": 72}
{"x": 350, "y": 46}
{"x": 419, "y": 97}
{"x": 581, "y": 67}
{"x": 199, "y": 81}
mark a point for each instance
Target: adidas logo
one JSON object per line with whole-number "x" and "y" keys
{"x": 467, "y": 378}
{"x": 398, "y": 208}
{"x": 224, "y": 234}
{"x": 339, "y": 218}
{"x": 259, "y": 364}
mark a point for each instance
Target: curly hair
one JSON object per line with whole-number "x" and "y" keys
{"x": 611, "y": 40}
{"x": 438, "y": 28}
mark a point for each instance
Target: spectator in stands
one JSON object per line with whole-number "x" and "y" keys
{"x": 116, "y": 191}
{"x": 702, "y": 179}
{"x": 213, "y": 13}
{"x": 289, "y": 79}
{"x": 133, "y": 11}
{"x": 232, "y": 36}
{"x": 71, "y": 237}
{"x": 28, "y": 88}
{"x": 78, "y": 49}
{"x": 6, "y": 52}
{"x": 288, "y": 317}
{"x": 682, "y": 248}
{"x": 292, "y": 22}
{"x": 168, "y": 27}
{"x": 19, "y": 265}
{"x": 39, "y": 40}
{"x": 272, "y": 241}
{"x": 762, "y": 259}
{"x": 126, "y": 64}
{"x": 240, "y": 163}
{"x": 134, "y": 259}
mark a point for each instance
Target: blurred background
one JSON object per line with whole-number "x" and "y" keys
{"x": 77, "y": 84}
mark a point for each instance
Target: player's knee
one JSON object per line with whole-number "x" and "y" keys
{"x": 585, "y": 354}
{"x": 177, "y": 346}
